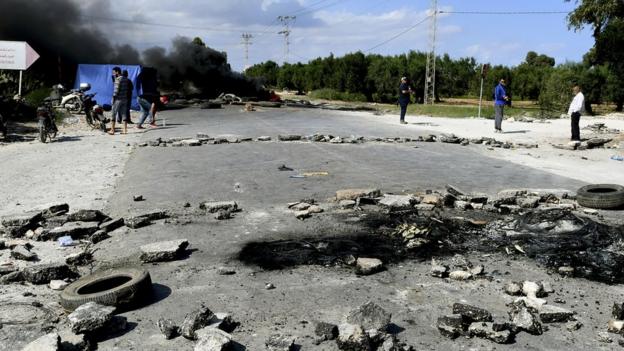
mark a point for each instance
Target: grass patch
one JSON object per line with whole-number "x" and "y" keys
{"x": 331, "y": 94}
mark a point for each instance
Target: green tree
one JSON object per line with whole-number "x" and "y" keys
{"x": 606, "y": 17}
{"x": 266, "y": 72}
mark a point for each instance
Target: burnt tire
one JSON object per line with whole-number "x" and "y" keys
{"x": 602, "y": 196}
{"x": 112, "y": 287}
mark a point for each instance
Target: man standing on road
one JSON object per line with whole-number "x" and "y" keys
{"x": 500, "y": 100}
{"x": 404, "y": 97}
{"x": 576, "y": 107}
{"x": 125, "y": 73}
{"x": 120, "y": 101}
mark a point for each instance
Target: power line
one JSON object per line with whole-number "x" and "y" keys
{"x": 212, "y": 29}
{"x": 504, "y": 12}
{"x": 399, "y": 34}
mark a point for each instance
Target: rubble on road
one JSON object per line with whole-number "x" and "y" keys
{"x": 58, "y": 284}
{"x": 368, "y": 266}
{"x": 355, "y": 194}
{"x": 145, "y": 219}
{"x": 216, "y": 206}
{"x": 168, "y": 328}
{"x": 22, "y": 252}
{"x": 212, "y": 339}
{"x": 90, "y": 317}
{"x": 43, "y": 274}
{"x": 370, "y": 316}
{"x": 325, "y": 331}
{"x": 163, "y": 251}
{"x": 352, "y": 337}
{"x": 194, "y": 321}
{"x": 48, "y": 342}
{"x": 280, "y": 342}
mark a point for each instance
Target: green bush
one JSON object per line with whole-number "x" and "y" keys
{"x": 332, "y": 94}
{"x": 35, "y": 97}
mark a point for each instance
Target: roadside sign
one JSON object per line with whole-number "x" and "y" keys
{"x": 16, "y": 55}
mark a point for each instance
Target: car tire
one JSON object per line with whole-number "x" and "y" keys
{"x": 113, "y": 287}
{"x": 601, "y": 196}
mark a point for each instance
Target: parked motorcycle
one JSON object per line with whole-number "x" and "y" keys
{"x": 47, "y": 123}
{"x": 96, "y": 119}
{"x": 73, "y": 101}
{"x": 3, "y": 127}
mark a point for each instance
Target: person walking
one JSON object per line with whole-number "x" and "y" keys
{"x": 130, "y": 90}
{"x": 404, "y": 98}
{"x": 500, "y": 100}
{"x": 577, "y": 106}
{"x": 147, "y": 86}
{"x": 120, "y": 101}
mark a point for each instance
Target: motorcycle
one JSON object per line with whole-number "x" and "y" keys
{"x": 47, "y": 123}
{"x": 73, "y": 101}
{"x": 96, "y": 119}
{"x": 3, "y": 127}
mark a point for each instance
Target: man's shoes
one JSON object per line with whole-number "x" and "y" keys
{"x": 130, "y": 121}
{"x": 139, "y": 127}
{"x": 403, "y": 122}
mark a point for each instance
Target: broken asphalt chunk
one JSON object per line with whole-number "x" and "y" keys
{"x": 486, "y": 330}
{"x": 451, "y": 326}
{"x": 48, "y": 342}
{"x": 215, "y": 206}
{"x": 472, "y": 313}
{"x": 555, "y": 314}
{"x": 352, "y": 338}
{"x": 168, "y": 328}
{"x": 326, "y": 331}
{"x": 163, "y": 251}
{"x": 43, "y": 274}
{"x": 76, "y": 230}
{"x": 212, "y": 339}
{"x": 368, "y": 266}
{"x": 90, "y": 317}
{"x": 279, "y": 342}
{"x": 142, "y": 220}
{"x": 196, "y": 320}
{"x": 370, "y": 316}
{"x": 354, "y": 194}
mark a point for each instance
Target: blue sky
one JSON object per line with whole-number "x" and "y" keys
{"x": 341, "y": 26}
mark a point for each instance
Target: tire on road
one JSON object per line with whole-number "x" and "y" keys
{"x": 113, "y": 287}
{"x": 602, "y": 196}
{"x": 43, "y": 133}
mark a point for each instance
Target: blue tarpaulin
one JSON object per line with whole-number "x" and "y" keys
{"x": 100, "y": 78}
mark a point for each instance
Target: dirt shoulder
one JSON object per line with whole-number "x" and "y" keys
{"x": 79, "y": 167}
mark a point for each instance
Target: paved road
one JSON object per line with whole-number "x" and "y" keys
{"x": 248, "y": 173}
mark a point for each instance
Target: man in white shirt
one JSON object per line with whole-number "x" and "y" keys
{"x": 576, "y": 107}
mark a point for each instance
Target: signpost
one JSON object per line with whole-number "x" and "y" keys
{"x": 17, "y": 55}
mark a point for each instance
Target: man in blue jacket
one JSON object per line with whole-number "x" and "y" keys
{"x": 500, "y": 100}
{"x": 404, "y": 97}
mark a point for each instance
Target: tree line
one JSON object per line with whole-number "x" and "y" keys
{"x": 375, "y": 78}
{"x": 538, "y": 78}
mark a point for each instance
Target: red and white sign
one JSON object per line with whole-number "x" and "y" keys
{"x": 16, "y": 55}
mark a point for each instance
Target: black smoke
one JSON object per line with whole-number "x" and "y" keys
{"x": 64, "y": 37}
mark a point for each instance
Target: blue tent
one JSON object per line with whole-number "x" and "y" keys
{"x": 100, "y": 78}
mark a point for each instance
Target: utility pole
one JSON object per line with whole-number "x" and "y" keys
{"x": 429, "y": 97}
{"x": 246, "y": 42}
{"x": 287, "y": 21}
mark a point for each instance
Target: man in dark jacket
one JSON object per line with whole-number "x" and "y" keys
{"x": 404, "y": 97}
{"x": 500, "y": 100}
{"x": 120, "y": 100}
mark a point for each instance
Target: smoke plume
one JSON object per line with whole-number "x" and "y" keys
{"x": 65, "y": 37}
